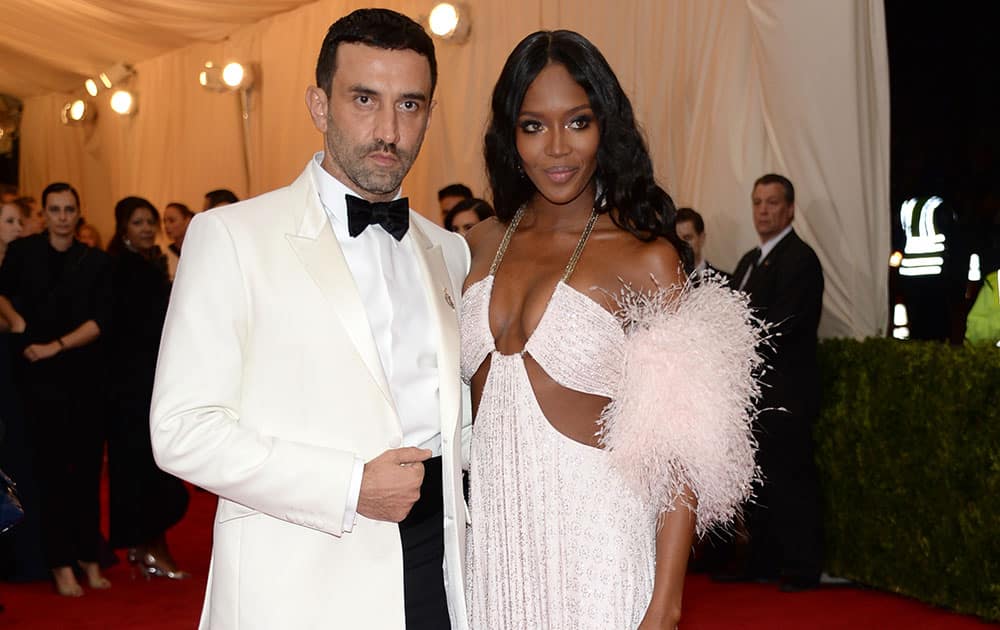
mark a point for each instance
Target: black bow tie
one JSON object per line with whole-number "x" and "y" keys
{"x": 393, "y": 216}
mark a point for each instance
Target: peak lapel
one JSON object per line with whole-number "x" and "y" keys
{"x": 319, "y": 252}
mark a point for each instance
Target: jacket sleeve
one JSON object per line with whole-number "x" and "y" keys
{"x": 195, "y": 418}
{"x": 683, "y": 414}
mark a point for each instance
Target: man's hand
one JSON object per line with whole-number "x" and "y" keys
{"x": 391, "y": 484}
{"x": 40, "y": 351}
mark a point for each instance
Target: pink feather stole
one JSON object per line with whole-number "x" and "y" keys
{"x": 686, "y": 403}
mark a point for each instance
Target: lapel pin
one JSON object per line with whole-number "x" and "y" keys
{"x": 447, "y": 299}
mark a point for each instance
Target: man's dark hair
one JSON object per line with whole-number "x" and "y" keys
{"x": 220, "y": 196}
{"x": 57, "y": 187}
{"x": 692, "y": 215}
{"x": 774, "y": 178}
{"x": 378, "y": 28}
{"x": 455, "y": 190}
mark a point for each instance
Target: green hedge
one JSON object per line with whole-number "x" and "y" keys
{"x": 909, "y": 453}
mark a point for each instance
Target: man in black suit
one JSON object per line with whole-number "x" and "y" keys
{"x": 690, "y": 228}
{"x": 784, "y": 280}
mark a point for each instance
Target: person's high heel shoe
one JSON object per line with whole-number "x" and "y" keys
{"x": 151, "y": 566}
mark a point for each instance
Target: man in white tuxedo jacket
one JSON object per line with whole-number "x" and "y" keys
{"x": 309, "y": 369}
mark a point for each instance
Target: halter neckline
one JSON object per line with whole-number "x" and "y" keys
{"x": 570, "y": 266}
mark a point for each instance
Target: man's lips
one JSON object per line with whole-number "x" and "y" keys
{"x": 383, "y": 159}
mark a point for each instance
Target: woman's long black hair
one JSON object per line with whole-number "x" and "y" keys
{"x": 624, "y": 168}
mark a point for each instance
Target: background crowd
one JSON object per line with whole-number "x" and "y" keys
{"x": 82, "y": 331}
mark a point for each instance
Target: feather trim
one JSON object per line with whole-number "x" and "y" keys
{"x": 683, "y": 417}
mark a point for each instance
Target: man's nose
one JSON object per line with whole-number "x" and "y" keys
{"x": 387, "y": 126}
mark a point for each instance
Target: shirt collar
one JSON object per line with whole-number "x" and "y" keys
{"x": 770, "y": 244}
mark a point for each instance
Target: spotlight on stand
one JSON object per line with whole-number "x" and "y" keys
{"x": 123, "y": 103}
{"x": 233, "y": 76}
{"x": 449, "y": 21}
{"x": 77, "y": 111}
{"x": 116, "y": 75}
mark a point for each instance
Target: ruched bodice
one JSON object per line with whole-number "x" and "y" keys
{"x": 577, "y": 342}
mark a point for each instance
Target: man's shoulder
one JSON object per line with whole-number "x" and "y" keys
{"x": 795, "y": 247}
{"x": 435, "y": 233}
{"x": 453, "y": 246}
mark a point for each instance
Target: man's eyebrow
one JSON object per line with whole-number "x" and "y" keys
{"x": 367, "y": 91}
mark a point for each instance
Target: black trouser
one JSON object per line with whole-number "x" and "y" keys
{"x": 69, "y": 448}
{"x": 422, "y": 534}
{"x": 784, "y": 521}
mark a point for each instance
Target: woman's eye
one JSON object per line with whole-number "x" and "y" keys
{"x": 579, "y": 123}
{"x": 531, "y": 126}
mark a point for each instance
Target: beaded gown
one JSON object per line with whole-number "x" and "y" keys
{"x": 558, "y": 539}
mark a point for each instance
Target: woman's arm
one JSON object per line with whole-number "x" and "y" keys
{"x": 84, "y": 334}
{"x": 673, "y": 546}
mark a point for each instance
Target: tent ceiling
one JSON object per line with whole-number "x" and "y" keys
{"x": 54, "y": 45}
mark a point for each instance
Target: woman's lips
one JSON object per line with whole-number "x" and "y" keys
{"x": 560, "y": 174}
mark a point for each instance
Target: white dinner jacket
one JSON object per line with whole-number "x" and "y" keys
{"x": 267, "y": 385}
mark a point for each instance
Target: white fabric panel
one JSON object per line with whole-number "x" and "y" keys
{"x": 726, "y": 90}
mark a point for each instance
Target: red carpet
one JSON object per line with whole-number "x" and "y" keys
{"x": 160, "y": 604}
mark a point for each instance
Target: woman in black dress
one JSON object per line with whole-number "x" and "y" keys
{"x": 145, "y": 501}
{"x": 54, "y": 296}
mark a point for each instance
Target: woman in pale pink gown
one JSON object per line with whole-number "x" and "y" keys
{"x": 598, "y": 446}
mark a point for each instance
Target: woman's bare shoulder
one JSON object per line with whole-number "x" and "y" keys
{"x": 485, "y": 237}
{"x": 646, "y": 265}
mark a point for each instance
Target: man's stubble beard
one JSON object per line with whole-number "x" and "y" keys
{"x": 369, "y": 178}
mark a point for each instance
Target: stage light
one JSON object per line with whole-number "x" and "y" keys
{"x": 123, "y": 103}
{"x": 896, "y": 258}
{"x": 91, "y": 86}
{"x": 116, "y": 75}
{"x": 232, "y": 76}
{"x": 450, "y": 22}
{"x": 77, "y": 111}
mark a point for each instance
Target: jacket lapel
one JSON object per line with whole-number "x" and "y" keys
{"x": 317, "y": 248}
{"x": 441, "y": 300}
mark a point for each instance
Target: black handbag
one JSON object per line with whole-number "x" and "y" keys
{"x": 11, "y": 510}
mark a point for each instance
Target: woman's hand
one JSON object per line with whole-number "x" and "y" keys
{"x": 39, "y": 351}
{"x": 659, "y": 620}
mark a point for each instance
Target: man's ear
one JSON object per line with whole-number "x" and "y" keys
{"x": 317, "y": 104}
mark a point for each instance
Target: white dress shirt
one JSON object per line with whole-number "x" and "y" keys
{"x": 388, "y": 278}
{"x": 771, "y": 243}
{"x": 765, "y": 249}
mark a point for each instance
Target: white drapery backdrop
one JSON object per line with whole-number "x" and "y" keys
{"x": 726, "y": 91}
